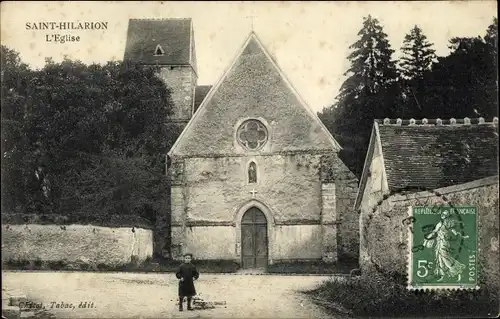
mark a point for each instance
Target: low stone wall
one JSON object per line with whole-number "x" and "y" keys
{"x": 383, "y": 237}
{"x": 75, "y": 243}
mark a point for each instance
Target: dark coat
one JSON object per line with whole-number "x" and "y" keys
{"x": 189, "y": 273}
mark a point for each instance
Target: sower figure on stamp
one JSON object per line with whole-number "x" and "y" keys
{"x": 187, "y": 274}
{"x": 441, "y": 239}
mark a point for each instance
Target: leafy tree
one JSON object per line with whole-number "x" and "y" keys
{"x": 14, "y": 77}
{"x": 97, "y": 137}
{"x": 491, "y": 37}
{"x": 103, "y": 119}
{"x": 464, "y": 83}
{"x": 370, "y": 91}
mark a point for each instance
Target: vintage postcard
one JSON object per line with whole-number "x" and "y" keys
{"x": 275, "y": 159}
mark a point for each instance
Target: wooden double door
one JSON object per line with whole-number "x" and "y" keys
{"x": 254, "y": 240}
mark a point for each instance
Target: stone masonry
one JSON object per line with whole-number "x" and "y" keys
{"x": 389, "y": 251}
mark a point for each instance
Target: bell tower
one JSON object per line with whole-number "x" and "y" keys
{"x": 168, "y": 45}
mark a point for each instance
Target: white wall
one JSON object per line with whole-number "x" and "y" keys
{"x": 297, "y": 242}
{"x": 110, "y": 246}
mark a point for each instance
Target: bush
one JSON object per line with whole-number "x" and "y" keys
{"x": 214, "y": 266}
{"x": 56, "y": 265}
{"x": 310, "y": 267}
{"x": 148, "y": 265}
{"x": 18, "y": 264}
{"x": 378, "y": 296}
{"x": 84, "y": 266}
{"x": 38, "y": 263}
{"x": 203, "y": 266}
{"x": 103, "y": 267}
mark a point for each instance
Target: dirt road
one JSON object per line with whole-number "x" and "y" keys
{"x": 132, "y": 295}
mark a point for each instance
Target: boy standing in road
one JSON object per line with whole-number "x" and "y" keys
{"x": 186, "y": 274}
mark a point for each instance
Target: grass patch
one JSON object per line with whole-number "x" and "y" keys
{"x": 311, "y": 267}
{"x": 21, "y": 264}
{"x": 388, "y": 297}
{"x": 57, "y": 265}
{"x": 203, "y": 266}
{"x": 163, "y": 265}
{"x": 148, "y": 265}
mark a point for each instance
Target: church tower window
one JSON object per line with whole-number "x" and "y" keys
{"x": 252, "y": 134}
{"x": 252, "y": 173}
{"x": 159, "y": 50}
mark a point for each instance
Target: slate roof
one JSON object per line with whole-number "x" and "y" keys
{"x": 433, "y": 156}
{"x": 430, "y": 156}
{"x": 200, "y": 93}
{"x": 173, "y": 35}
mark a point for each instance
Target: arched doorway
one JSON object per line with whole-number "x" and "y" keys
{"x": 254, "y": 239}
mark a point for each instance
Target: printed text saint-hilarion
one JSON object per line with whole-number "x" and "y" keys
{"x": 67, "y": 25}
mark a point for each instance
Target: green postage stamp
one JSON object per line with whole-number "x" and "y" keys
{"x": 443, "y": 247}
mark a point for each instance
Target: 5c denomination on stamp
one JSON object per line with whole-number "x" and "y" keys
{"x": 443, "y": 247}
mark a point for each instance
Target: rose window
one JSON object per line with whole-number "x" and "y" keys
{"x": 252, "y": 134}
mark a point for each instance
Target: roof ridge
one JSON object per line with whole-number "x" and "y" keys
{"x": 435, "y": 122}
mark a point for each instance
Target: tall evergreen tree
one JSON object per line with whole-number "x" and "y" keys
{"x": 369, "y": 92}
{"x": 372, "y": 68}
{"x": 418, "y": 55}
{"x": 417, "y": 59}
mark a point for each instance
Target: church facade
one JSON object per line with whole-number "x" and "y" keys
{"x": 255, "y": 175}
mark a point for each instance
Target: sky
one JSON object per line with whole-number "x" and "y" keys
{"x": 309, "y": 40}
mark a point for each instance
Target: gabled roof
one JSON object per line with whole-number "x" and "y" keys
{"x": 200, "y": 93}
{"x": 253, "y": 87}
{"x": 173, "y": 35}
{"x": 432, "y": 155}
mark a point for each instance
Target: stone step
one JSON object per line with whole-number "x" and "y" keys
{"x": 11, "y": 312}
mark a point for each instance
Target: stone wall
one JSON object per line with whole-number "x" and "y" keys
{"x": 220, "y": 242}
{"x": 75, "y": 243}
{"x": 297, "y": 242}
{"x": 289, "y": 185}
{"x": 347, "y": 220}
{"x": 329, "y": 222}
{"x": 375, "y": 187}
{"x": 211, "y": 242}
{"x": 181, "y": 80}
{"x": 384, "y": 237}
{"x": 208, "y": 193}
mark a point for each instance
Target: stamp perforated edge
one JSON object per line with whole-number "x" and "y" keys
{"x": 409, "y": 262}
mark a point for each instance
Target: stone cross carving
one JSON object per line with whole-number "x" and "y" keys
{"x": 253, "y": 192}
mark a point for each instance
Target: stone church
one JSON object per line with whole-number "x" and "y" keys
{"x": 255, "y": 175}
